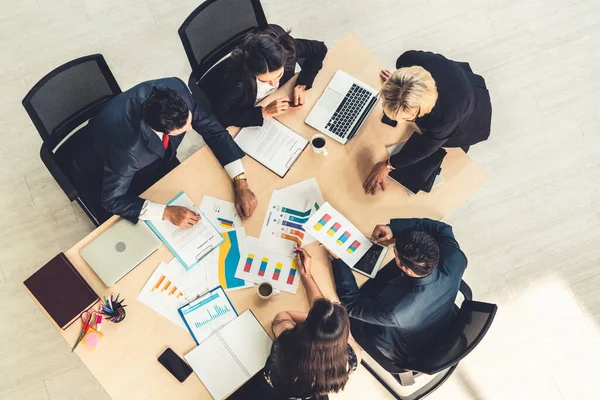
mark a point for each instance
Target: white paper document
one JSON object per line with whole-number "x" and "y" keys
{"x": 274, "y": 145}
{"x": 221, "y": 213}
{"x": 263, "y": 265}
{"x": 191, "y": 244}
{"x": 282, "y": 229}
{"x": 207, "y": 314}
{"x": 338, "y": 234}
{"x": 172, "y": 286}
{"x": 308, "y": 188}
{"x": 230, "y": 357}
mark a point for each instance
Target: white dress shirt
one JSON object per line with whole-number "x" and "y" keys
{"x": 263, "y": 89}
{"x": 154, "y": 211}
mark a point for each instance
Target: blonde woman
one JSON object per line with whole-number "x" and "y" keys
{"x": 446, "y": 100}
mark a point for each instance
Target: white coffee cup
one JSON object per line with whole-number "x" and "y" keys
{"x": 318, "y": 143}
{"x": 265, "y": 290}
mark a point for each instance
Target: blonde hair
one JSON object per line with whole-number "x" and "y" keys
{"x": 409, "y": 92}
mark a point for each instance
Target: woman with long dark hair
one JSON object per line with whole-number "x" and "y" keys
{"x": 264, "y": 61}
{"x": 313, "y": 353}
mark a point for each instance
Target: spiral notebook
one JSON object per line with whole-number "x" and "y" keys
{"x": 230, "y": 357}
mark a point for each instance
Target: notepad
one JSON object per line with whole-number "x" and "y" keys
{"x": 230, "y": 357}
{"x": 61, "y": 290}
{"x": 273, "y": 144}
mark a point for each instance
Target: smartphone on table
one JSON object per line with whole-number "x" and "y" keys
{"x": 175, "y": 365}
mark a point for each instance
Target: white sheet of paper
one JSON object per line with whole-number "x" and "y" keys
{"x": 266, "y": 266}
{"x": 221, "y": 213}
{"x": 282, "y": 229}
{"x": 172, "y": 286}
{"x": 308, "y": 188}
{"x": 191, "y": 244}
{"x": 274, "y": 145}
{"x": 338, "y": 234}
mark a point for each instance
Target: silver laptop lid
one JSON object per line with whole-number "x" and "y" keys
{"x": 120, "y": 249}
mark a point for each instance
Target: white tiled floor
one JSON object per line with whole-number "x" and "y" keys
{"x": 532, "y": 233}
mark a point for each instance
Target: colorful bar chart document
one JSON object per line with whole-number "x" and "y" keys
{"x": 262, "y": 265}
{"x": 207, "y": 314}
{"x": 188, "y": 245}
{"x": 338, "y": 234}
{"x": 221, "y": 213}
{"x": 222, "y": 264}
{"x": 283, "y": 229}
{"x": 170, "y": 287}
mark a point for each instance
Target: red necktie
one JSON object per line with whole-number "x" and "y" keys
{"x": 165, "y": 140}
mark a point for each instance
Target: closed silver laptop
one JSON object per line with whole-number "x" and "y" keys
{"x": 120, "y": 249}
{"x": 343, "y": 107}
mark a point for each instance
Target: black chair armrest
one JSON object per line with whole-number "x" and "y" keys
{"x": 57, "y": 173}
{"x": 466, "y": 290}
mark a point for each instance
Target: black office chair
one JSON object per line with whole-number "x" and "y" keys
{"x": 210, "y": 33}
{"x": 61, "y": 102}
{"x": 441, "y": 359}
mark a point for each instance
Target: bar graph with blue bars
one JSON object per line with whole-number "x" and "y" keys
{"x": 208, "y": 314}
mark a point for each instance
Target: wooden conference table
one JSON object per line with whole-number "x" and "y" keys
{"x": 125, "y": 363}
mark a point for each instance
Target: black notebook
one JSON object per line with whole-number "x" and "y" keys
{"x": 61, "y": 290}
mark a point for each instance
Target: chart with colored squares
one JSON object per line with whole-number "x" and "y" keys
{"x": 267, "y": 266}
{"x": 221, "y": 213}
{"x": 283, "y": 229}
{"x": 338, "y": 234}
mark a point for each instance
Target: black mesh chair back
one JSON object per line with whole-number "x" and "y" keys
{"x": 461, "y": 337}
{"x": 69, "y": 96}
{"x": 213, "y": 29}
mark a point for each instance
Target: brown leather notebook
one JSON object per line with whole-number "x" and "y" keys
{"x": 61, "y": 290}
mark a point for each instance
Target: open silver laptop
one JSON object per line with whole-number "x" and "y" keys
{"x": 120, "y": 249}
{"x": 344, "y": 106}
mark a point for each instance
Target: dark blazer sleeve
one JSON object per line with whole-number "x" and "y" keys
{"x": 366, "y": 309}
{"x": 313, "y": 52}
{"x": 232, "y": 111}
{"x": 119, "y": 168}
{"x": 216, "y": 137}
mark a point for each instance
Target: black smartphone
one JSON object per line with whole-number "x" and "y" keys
{"x": 175, "y": 365}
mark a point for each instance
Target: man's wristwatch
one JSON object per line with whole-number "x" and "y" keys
{"x": 240, "y": 177}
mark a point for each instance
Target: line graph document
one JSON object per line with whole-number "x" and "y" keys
{"x": 274, "y": 145}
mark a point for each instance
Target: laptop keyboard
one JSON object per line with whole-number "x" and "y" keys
{"x": 348, "y": 111}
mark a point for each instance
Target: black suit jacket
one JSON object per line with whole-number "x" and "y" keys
{"x": 117, "y": 143}
{"x": 462, "y": 114}
{"x": 234, "y": 103}
{"x": 400, "y": 315}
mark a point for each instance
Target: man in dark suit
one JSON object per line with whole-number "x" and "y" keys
{"x": 132, "y": 142}
{"x": 411, "y": 300}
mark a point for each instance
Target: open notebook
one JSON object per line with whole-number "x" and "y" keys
{"x": 230, "y": 357}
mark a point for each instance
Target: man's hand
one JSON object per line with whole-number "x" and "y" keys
{"x": 298, "y": 97}
{"x": 181, "y": 216}
{"x": 245, "y": 200}
{"x": 276, "y": 107}
{"x": 305, "y": 262}
{"x": 376, "y": 178}
{"x": 385, "y": 74}
{"x": 382, "y": 234}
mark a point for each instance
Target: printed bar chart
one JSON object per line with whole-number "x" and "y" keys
{"x": 352, "y": 248}
{"x": 292, "y": 274}
{"x": 345, "y": 236}
{"x": 263, "y": 266}
{"x": 225, "y": 223}
{"x": 218, "y": 311}
{"x": 322, "y": 222}
{"x": 248, "y": 263}
{"x": 158, "y": 282}
{"x": 277, "y": 271}
{"x": 334, "y": 228}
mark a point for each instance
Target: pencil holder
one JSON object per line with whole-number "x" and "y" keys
{"x": 113, "y": 309}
